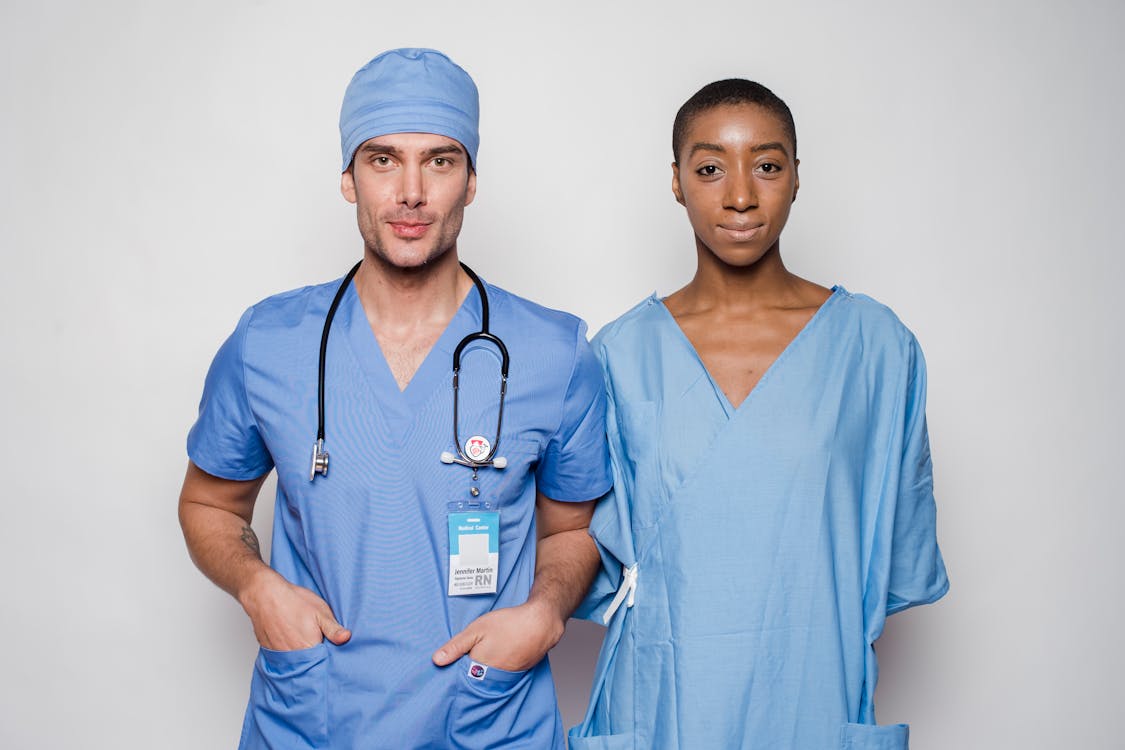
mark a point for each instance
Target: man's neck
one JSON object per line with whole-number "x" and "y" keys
{"x": 401, "y": 297}
{"x": 408, "y": 309}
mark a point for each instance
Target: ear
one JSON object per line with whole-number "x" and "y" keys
{"x": 471, "y": 187}
{"x": 796, "y": 179}
{"x": 347, "y": 186}
{"x": 676, "y": 191}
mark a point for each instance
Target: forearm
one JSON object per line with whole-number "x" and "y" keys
{"x": 566, "y": 563}
{"x": 215, "y": 517}
{"x": 223, "y": 546}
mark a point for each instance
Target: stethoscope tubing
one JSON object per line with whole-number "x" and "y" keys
{"x": 340, "y": 292}
{"x": 320, "y": 456}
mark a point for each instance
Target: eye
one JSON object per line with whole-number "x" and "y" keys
{"x": 441, "y": 161}
{"x": 382, "y": 161}
{"x": 769, "y": 167}
{"x": 708, "y": 170}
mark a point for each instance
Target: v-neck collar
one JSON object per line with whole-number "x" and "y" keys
{"x": 729, "y": 410}
{"x": 436, "y": 369}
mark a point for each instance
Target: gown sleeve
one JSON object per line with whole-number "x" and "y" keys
{"x": 917, "y": 571}
{"x": 225, "y": 441}
{"x": 611, "y": 524}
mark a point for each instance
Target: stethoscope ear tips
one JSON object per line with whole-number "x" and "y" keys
{"x": 446, "y": 457}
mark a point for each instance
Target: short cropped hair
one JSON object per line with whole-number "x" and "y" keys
{"x": 730, "y": 91}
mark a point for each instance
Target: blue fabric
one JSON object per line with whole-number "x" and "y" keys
{"x": 371, "y": 537}
{"x": 410, "y": 90}
{"x": 771, "y": 541}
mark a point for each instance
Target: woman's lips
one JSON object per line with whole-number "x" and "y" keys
{"x": 742, "y": 232}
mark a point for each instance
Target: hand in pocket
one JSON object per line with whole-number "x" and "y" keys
{"x": 514, "y": 639}
{"x": 288, "y": 617}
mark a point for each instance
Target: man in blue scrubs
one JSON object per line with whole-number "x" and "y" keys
{"x": 409, "y": 600}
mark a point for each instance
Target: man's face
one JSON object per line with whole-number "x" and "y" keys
{"x": 410, "y": 192}
{"x": 737, "y": 178}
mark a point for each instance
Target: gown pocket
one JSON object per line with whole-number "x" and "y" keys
{"x": 288, "y": 700}
{"x": 874, "y": 737}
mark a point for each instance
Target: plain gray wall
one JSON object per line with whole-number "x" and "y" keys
{"x": 164, "y": 165}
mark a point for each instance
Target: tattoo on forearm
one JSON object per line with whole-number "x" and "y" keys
{"x": 250, "y": 539}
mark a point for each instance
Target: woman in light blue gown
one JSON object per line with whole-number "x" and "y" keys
{"x": 773, "y": 495}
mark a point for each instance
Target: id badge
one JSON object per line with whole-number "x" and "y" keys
{"x": 474, "y": 548}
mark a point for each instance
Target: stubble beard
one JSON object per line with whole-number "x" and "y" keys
{"x": 378, "y": 248}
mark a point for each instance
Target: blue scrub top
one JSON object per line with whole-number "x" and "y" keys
{"x": 371, "y": 538}
{"x": 770, "y": 541}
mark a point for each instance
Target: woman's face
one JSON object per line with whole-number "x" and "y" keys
{"x": 737, "y": 177}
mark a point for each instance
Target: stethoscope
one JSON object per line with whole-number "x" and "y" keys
{"x": 478, "y": 451}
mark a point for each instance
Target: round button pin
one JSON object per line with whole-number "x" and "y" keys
{"x": 477, "y": 447}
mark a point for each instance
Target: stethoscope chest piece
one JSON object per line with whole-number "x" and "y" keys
{"x": 319, "y": 460}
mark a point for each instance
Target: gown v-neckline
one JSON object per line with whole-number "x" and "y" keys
{"x": 730, "y": 410}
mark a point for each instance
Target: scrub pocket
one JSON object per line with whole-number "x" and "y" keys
{"x": 502, "y": 707}
{"x": 874, "y": 737}
{"x": 288, "y": 700}
{"x": 604, "y": 742}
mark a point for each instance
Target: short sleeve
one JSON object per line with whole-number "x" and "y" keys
{"x": 917, "y": 573}
{"x": 225, "y": 441}
{"x": 575, "y": 463}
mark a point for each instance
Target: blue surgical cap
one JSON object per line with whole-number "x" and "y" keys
{"x": 410, "y": 91}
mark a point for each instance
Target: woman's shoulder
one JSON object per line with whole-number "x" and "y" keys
{"x": 638, "y": 321}
{"x": 869, "y": 311}
{"x": 873, "y": 325}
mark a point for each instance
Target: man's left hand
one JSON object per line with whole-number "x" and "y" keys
{"x": 513, "y": 639}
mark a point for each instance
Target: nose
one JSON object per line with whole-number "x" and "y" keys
{"x": 412, "y": 188}
{"x": 741, "y": 193}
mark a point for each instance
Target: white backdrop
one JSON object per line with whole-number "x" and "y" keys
{"x": 164, "y": 165}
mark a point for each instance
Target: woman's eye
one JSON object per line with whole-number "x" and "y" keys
{"x": 769, "y": 168}
{"x": 707, "y": 170}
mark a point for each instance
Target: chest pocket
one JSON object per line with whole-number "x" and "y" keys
{"x": 505, "y": 486}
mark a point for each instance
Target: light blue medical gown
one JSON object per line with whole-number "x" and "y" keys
{"x": 770, "y": 541}
{"x": 372, "y": 537}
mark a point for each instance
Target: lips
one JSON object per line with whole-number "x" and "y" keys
{"x": 409, "y": 229}
{"x": 742, "y": 232}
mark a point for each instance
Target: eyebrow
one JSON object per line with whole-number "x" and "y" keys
{"x": 702, "y": 146}
{"x": 378, "y": 148}
{"x": 771, "y": 146}
{"x": 446, "y": 149}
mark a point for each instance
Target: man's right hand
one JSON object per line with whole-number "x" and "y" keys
{"x": 215, "y": 515}
{"x": 288, "y": 617}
